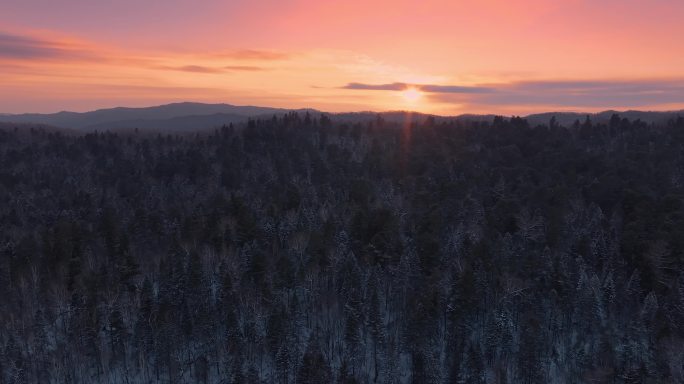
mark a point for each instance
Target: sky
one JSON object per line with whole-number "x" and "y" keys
{"x": 446, "y": 57}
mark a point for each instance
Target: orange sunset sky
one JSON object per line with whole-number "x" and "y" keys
{"x": 446, "y": 57}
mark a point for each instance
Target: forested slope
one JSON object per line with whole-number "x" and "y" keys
{"x": 300, "y": 250}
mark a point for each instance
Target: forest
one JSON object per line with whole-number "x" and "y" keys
{"x": 298, "y": 249}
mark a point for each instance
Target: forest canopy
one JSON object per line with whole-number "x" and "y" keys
{"x": 298, "y": 249}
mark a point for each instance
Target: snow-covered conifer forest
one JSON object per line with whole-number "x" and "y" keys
{"x": 299, "y": 249}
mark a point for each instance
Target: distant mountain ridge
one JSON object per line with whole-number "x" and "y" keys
{"x": 175, "y": 116}
{"x": 568, "y": 118}
{"x": 190, "y": 116}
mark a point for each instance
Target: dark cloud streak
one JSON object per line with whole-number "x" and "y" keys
{"x": 26, "y": 48}
{"x": 377, "y": 87}
{"x": 570, "y": 93}
{"x": 429, "y": 88}
{"x": 195, "y": 69}
{"x": 452, "y": 89}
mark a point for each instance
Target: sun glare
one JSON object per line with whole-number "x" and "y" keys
{"x": 411, "y": 95}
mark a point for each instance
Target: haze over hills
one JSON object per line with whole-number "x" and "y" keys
{"x": 191, "y": 116}
{"x": 173, "y": 116}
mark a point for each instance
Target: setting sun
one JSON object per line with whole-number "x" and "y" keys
{"x": 411, "y": 95}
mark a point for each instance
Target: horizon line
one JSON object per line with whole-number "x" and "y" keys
{"x": 296, "y": 109}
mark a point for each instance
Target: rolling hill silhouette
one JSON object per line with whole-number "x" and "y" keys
{"x": 189, "y": 116}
